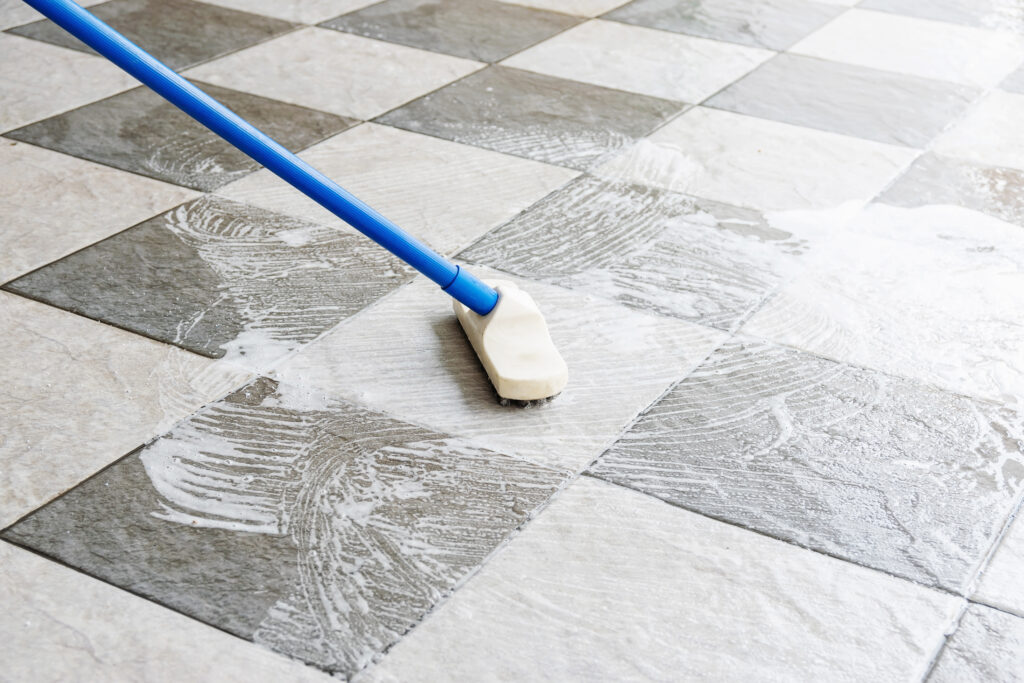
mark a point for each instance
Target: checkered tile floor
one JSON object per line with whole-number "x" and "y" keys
{"x": 779, "y": 242}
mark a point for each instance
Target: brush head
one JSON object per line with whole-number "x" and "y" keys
{"x": 514, "y": 346}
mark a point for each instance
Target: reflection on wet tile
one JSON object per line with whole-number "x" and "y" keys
{"x": 640, "y": 60}
{"x": 475, "y": 29}
{"x": 408, "y": 356}
{"x": 310, "y": 526}
{"x": 772, "y": 24}
{"x": 141, "y": 132}
{"x": 844, "y": 98}
{"x": 611, "y": 585}
{"x": 988, "y": 646}
{"x": 179, "y": 33}
{"x": 583, "y": 8}
{"x": 931, "y": 293}
{"x": 214, "y": 276}
{"x": 930, "y": 49}
{"x": 1001, "y": 584}
{"x": 77, "y": 395}
{"x": 397, "y": 173}
{"x": 535, "y": 116}
{"x": 881, "y": 471}
{"x": 303, "y": 11}
{"x": 648, "y": 248}
{"x": 758, "y": 163}
{"x": 989, "y": 135}
{"x": 1002, "y": 15}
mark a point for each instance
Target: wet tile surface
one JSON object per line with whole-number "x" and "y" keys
{"x": 312, "y": 527}
{"x": 180, "y": 33}
{"x": 882, "y": 471}
{"x": 16, "y": 12}
{"x": 583, "y": 8}
{"x": 535, "y": 116}
{"x": 983, "y": 137}
{"x": 992, "y": 14}
{"x": 756, "y": 608}
{"x": 988, "y": 646}
{"x": 848, "y": 99}
{"x": 1014, "y": 82}
{"x": 139, "y": 131}
{"x": 484, "y": 30}
{"x": 771, "y": 24}
{"x": 302, "y": 11}
{"x": 1000, "y": 584}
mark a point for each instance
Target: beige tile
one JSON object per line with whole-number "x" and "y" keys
{"x": 301, "y": 11}
{"x": 77, "y": 395}
{"x": 54, "y": 204}
{"x": 444, "y": 193}
{"x": 1001, "y": 585}
{"x": 336, "y": 72}
{"x": 608, "y": 584}
{"x": 16, "y": 12}
{"x": 990, "y": 134}
{"x": 583, "y": 8}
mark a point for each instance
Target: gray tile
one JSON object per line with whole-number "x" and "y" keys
{"x": 992, "y": 14}
{"x": 180, "y": 33}
{"x": 534, "y": 116}
{"x": 1014, "y": 82}
{"x": 215, "y": 276}
{"x": 773, "y": 24}
{"x": 476, "y": 29}
{"x": 652, "y": 249}
{"x": 845, "y": 98}
{"x": 881, "y": 471}
{"x": 315, "y": 528}
{"x": 139, "y": 131}
{"x": 936, "y": 179}
{"x": 988, "y": 646}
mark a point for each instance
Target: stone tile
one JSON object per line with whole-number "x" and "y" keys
{"x": 445, "y": 193}
{"x": 77, "y": 395}
{"x": 141, "y": 132}
{"x": 583, "y": 8}
{"x": 1000, "y": 583}
{"x": 758, "y": 163}
{"x": 606, "y": 584}
{"x": 180, "y": 33}
{"x": 849, "y": 99}
{"x": 475, "y": 29}
{"x": 1014, "y": 82}
{"x": 16, "y": 12}
{"x": 647, "y": 248}
{"x": 919, "y": 47}
{"x": 92, "y": 202}
{"x": 217, "y": 277}
{"x": 39, "y": 80}
{"x": 988, "y": 646}
{"x": 535, "y": 116}
{"x": 59, "y": 624}
{"x": 930, "y": 293}
{"x": 301, "y": 11}
{"x": 640, "y": 60}
{"x": 989, "y": 133}
{"x": 880, "y": 471}
{"x": 771, "y": 24}
{"x": 992, "y": 14}
{"x": 936, "y": 179}
{"x": 309, "y": 526}
{"x": 408, "y": 356}
{"x": 336, "y": 72}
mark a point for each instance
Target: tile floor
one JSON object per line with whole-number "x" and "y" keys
{"x": 780, "y": 244}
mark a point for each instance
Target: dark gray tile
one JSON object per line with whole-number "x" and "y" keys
{"x": 877, "y": 470}
{"x": 139, "y": 131}
{"x": 213, "y": 276}
{"x": 988, "y": 645}
{"x": 310, "y": 526}
{"x": 1005, "y": 15}
{"x": 476, "y": 29}
{"x": 935, "y": 179}
{"x": 772, "y": 24}
{"x": 180, "y": 33}
{"x": 652, "y": 249}
{"x": 538, "y": 117}
{"x": 845, "y": 98}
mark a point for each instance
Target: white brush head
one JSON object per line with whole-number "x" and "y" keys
{"x": 514, "y": 346}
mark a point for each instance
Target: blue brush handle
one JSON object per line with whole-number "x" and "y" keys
{"x": 456, "y": 281}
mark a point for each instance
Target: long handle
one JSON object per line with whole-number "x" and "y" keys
{"x": 456, "y": 281}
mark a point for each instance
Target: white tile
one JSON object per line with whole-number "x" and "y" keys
{"x": 444, "y": 193}
{"x": 38, "y": 80}
{"x": 301, "y": 11}
{"x": 641, "y": 60}
{"x": 77, "y": 395}
{"x": 54, "y": 204}
{"x": 931, "y": 293}
{"x": 1001, "y": 584}
{"x": 991, "y": 133}
{"x": 754, "y": 162}
{"x": 608, "y": 584}
{"x": 16, "y": 12}
{"x": 335, "y": 72}
{"x": 583, "y": 8}
{"x": 61, "y": 625}
{"x": 407, "y": 356}
{"x": 921, "y": 47}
